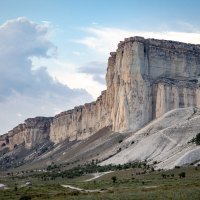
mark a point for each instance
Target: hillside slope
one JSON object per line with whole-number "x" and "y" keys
{"x": 148, "y": 112}
{"x": 165, "y": 141}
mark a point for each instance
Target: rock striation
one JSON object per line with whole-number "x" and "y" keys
{"x": 145, "y": 79}
{"x": 32, "y": 132}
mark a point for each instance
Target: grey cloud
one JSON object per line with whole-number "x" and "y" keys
{"x": 22, "y": 89}
{"x": 99, "y": 78}
{"x": 96, "y": 69}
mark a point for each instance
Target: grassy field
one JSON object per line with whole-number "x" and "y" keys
{"x": 130, "y": 184}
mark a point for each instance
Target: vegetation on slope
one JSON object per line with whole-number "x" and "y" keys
{"x": 196, "y": 139}
{"x": 133, "y": 182}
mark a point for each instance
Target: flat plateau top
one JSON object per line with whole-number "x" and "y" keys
{"x": 168, "y": 44}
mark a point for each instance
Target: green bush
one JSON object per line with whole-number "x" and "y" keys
{"x": 114, "y": 179}
{"x": 164, "y": 175}
{"x": 197, "y": 139}
{"x": 25, "y": 197}
{"x": 182, "y": 175}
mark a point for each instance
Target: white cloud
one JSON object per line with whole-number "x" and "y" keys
{"x": 26, "y": 89}
{"x": 71, "y": 74}
{"x": 105, "y": 39}
{"x": 77, "y": 53}
{"x": 102, "y": 40}
{"x": 19, "y": 114}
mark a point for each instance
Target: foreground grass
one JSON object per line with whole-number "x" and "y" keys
{"x": 130, "y": 184}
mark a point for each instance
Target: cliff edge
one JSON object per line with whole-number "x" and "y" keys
{"x": 145, "y": 79}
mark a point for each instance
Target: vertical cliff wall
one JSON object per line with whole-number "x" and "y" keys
{"x": 171, "y": 94}
{"x": 145, "y": 79}
{"x": 81, "y": 122}
{"x": 130, "y": 89}
{"x": 32, "y": 132}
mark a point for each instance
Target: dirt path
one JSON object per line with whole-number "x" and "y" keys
{"x": 151, "y": 186}
{"x": 80, "y": 189}
{"x": 97, "y": 175}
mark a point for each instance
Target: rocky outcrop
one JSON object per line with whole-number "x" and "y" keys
{"x": 172, "y": 94}
{"x": 32, "y": 132}
{"x": 145, "y": 79}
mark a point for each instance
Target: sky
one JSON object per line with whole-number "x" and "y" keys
{"x": 53, "y": 53}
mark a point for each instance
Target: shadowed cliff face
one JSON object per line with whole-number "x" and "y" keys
{"x": 145, "y": 79}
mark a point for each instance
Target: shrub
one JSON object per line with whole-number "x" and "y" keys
{"x": 197, "y": 139}
{"x": 15, "y": 188}
{"x": 164, "y": 175}
{"x": 74, "y": 193}
{"x": 182, "y": 175}
{"x": 142, "y": 182}
{"x": 114, "y": 179}
{"x": 25, "y": 197}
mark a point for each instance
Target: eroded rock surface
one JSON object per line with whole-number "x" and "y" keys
{"x": 145, "y": 79}
{"x": 32, "y": 132}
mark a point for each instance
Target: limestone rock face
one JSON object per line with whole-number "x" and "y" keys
{"x": 32, "y": 133}
{"x": 145, "y": 79}
{"x": 81, "y": 122}
{"x": 175, "y": 94}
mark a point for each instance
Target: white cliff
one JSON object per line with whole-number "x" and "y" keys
{"x": 31, "y": 133}
{"x": 145, "y": 79}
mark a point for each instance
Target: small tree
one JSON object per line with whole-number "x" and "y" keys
{"x": 142, "y": 182}
{"x": 25, "y": 197}
{"x": 197, "y": 139}
{"x": 182, "y": 175}
{"x": 164, "y": 175}
{"x": 114, "y": 179}
{"x": 15, "y": 188}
